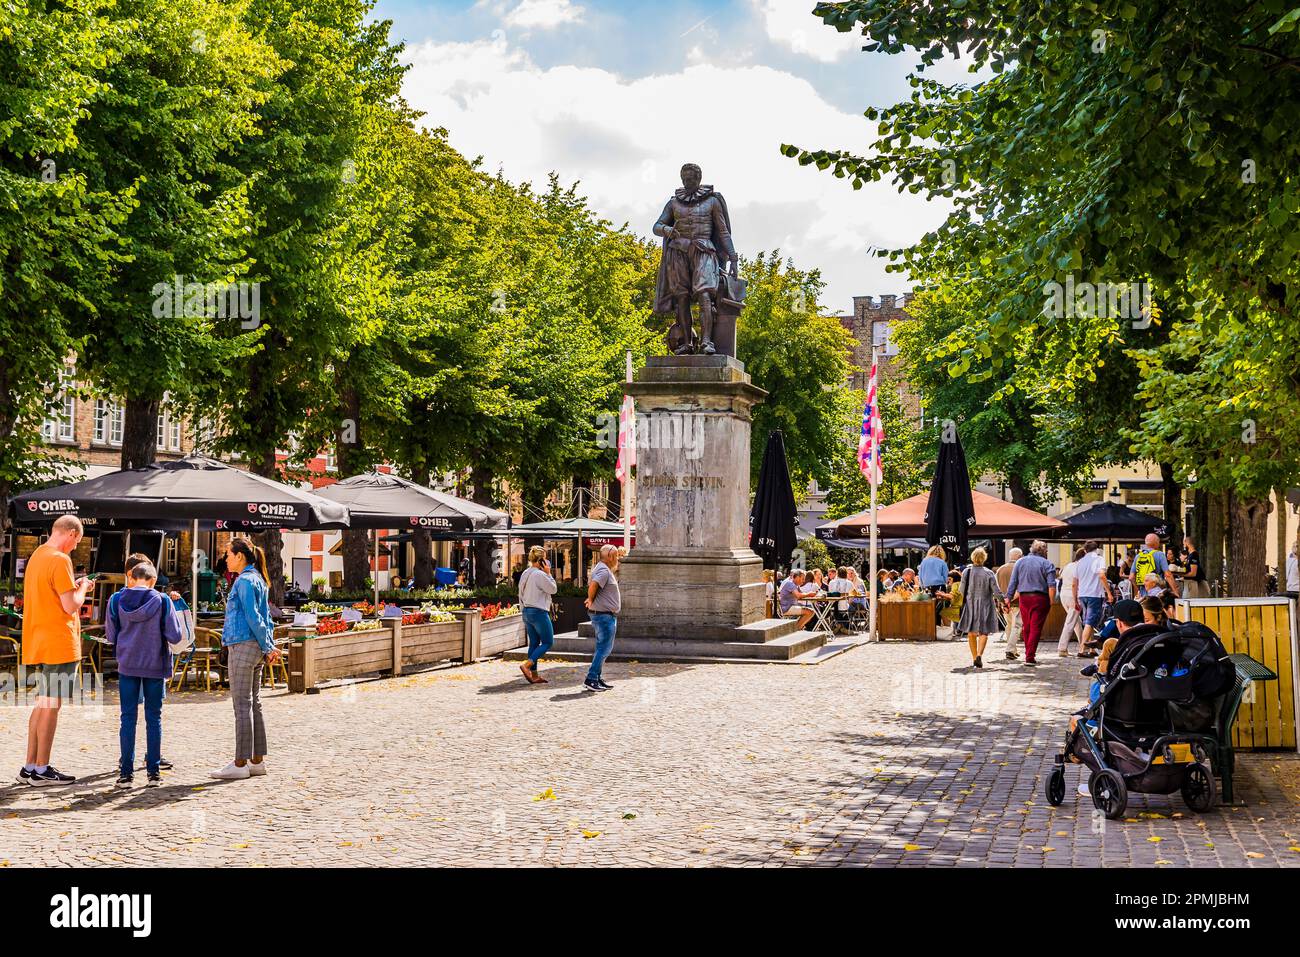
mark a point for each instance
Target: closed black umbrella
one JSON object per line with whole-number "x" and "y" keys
{"x": 950, "y": 510}
{"x": 773, "y": 521}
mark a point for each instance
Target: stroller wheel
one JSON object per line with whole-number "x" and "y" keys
{"x": 1198, "y": 788}
{"x": 1056, "y": 786}
{"x": 1109, "y": 794}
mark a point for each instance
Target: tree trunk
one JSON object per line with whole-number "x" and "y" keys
{"x": 1216, "y": 520}
{"x": 1279, "y": 495}
{"x": 140, "y": 432}
{"x": 615, "y": 511}
{"x": 1022, "y": 496}
{"x": 357, "y": 548}
{"x": 484, "y": 567}
{"x": 271, "y": 541}
{"x": 1173, "y": 499}
{"x": 422, "y": 540}
{"x": 1200, "y": 505}
{"x": 1248, "y": 547}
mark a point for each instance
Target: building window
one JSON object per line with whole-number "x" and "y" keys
{"x": 169, "y": 431}
{"x": 331, "y": 461}
{"x": 171, "y": 552}
{"x": 110, "y": 418}
{"x": 61, "y": 426}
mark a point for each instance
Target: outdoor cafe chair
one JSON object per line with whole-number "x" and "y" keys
{"x": 279, "y": 669}
{"x": 203, "y": 657}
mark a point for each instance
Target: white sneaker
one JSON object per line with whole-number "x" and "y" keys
{"x": 231, "y": 772}
{"x": 256, "y": 770}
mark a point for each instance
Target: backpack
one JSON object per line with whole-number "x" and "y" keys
{"x": 1144, "y": 565}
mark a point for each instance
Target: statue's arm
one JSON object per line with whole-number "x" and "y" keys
{"x": 722, "y": 230}
{"x": 664, "y": 225}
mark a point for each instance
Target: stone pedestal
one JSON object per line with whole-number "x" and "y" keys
{"x": 692, "y": 573}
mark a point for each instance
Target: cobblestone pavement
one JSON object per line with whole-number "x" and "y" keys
{"x": 892, "y": 754}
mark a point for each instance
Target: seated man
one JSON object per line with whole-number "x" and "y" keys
{"x": 907, "y": 585}
{"x": 1151, "y": 585}
{"x": 788, "y": 599}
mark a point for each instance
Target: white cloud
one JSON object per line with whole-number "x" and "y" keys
{"x": 543, "y": 14}
{"x": 625, "y": 140}
{"x": 791, "y": 24}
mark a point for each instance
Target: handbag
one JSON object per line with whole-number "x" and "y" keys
{"x": 185, "y": 618}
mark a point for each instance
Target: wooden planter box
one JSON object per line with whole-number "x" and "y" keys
{"x": 501, "y": 635}
{"x": 384, "y": 651}
{"x": 907, "y": 620}
{"x": 436, "y": 641}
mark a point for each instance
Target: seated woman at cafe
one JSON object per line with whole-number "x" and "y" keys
{"x": 857, "y": 590}
{"x": 951, "y": 594}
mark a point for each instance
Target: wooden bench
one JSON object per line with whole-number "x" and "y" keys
{"x": 1248, "y": 670}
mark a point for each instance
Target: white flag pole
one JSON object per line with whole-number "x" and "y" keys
{"x": 630, "y": 437}
{"x": 873, "y": 586}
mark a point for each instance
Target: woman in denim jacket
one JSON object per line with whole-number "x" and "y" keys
{"x": 248, "y": 636}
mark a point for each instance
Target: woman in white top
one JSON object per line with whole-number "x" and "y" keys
{"x": 1069, "y": 595}
{"x": 536, "y": 586}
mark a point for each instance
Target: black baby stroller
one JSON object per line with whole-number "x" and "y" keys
{"x": 1151, "y": 728}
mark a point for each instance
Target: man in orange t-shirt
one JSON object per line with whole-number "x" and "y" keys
{"x": 52, "y": 601}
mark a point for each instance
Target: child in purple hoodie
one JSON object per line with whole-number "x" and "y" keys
{"x": 142, "y": 624}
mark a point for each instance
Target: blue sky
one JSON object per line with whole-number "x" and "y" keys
{"x": 617, "y": 95}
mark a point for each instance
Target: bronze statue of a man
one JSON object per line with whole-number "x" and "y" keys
{"x": 696, "y": 230}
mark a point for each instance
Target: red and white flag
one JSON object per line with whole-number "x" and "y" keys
{"x": 873, "y": 434}
{"x": 626, "y": 440}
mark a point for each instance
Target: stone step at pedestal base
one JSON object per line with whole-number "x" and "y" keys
{"x": 769, "y": 639}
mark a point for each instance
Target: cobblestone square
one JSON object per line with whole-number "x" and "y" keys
{"x": 890, "y": 755}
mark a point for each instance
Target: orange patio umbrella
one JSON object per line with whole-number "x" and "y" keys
{"x": 994, "y": 518}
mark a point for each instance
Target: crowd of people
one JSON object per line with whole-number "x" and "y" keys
{"x": 1016, "y": 598}
{"x": 145, "y": 628}
{"x": 793, "y": 598}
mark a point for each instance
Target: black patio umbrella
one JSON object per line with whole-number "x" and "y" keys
{"x": 192, "y": 489}
{"x": 382, "y": 500}
{"x": 1109, "y": 522}
{"x": 950, "y": 510}
{"x": 773, "y": 522}
{"x": 195, "y": 489}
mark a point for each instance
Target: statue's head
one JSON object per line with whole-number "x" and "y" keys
{"x": 691, "y": 176}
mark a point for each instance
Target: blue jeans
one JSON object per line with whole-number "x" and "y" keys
{"x": 603, "y": 624}
{"x": 541, "y": 633}
{"x": 130, "y": 692}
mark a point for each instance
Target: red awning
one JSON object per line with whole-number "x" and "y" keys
{"x": 994, "y": 518}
